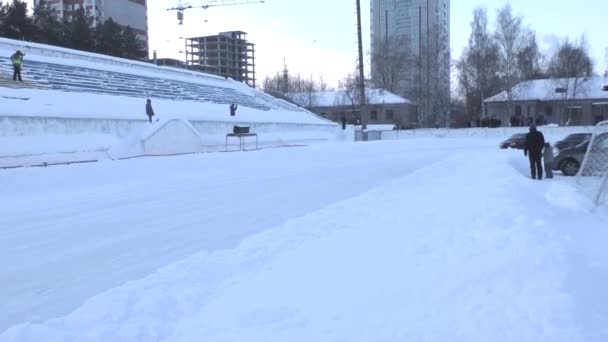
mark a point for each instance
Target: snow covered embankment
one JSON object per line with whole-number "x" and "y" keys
{"x": 33, "y": 141}
{"x": 454, "y": 252}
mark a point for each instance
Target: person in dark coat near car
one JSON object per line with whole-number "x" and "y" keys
{"x": 149, "y": 110}
{"x": 533, "y": 149}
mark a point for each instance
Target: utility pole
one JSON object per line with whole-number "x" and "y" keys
{"x": 419, "y": 111}
{"x": 428, "y": 64}
{"x": 386, "y": 58}
{"x": 362, "y": 104}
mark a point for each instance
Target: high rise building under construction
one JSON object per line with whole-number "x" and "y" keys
{"x": 226, "y": 54}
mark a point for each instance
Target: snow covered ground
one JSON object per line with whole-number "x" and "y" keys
{"x": 412, "y": 240}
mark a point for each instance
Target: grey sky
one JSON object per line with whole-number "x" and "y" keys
{"x": 319, "y": 36}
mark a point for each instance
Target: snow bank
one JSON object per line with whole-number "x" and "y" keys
{"x": 552, "y": 133}
{"x": 173, "y": 136}
{"x": 452, "y": 252}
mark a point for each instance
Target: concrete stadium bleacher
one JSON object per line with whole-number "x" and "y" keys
{"x": 79, "y": 79}
{"x": 69, "y": 70}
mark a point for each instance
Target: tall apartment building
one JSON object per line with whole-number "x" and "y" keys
{"x": 227, "y": 54}
{"x": 419, "y": 30}
{"x": 132, "y": 13}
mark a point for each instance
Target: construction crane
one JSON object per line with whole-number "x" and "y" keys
{"x": 213, "y": 3}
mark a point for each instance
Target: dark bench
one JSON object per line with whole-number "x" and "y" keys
{"x": 241, "y": 133}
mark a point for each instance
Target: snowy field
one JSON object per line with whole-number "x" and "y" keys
{"x": 421, "y": 239}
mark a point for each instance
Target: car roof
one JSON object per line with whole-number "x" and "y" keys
{"x": 573, "y": 135}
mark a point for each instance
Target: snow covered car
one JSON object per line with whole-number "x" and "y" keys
{"x": 515, "y": 141}
{"x": 572, "y": 140}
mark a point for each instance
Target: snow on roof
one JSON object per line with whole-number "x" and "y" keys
{"x": 333, "y": 98}
{"x": 555, "y": 89}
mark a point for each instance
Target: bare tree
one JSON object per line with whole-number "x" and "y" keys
{"x": 349, "y": 94}
{"x": 510, "y": 37}
{"x": 322, "y": 85}
{"x": 300, "y": 90}
{"x": 570, "y": 70}
{"x": 478, "y": 67}
{"x": 530, "y": 59}
{"x": 571, "y": 59}
{"x": 390, "y": 64}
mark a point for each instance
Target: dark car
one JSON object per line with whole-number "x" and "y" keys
{"x": 570, "y": 159}
{"x": 515, "y": 141}
{"x": 572, "y": 140}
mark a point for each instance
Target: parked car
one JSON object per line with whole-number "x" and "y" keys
{"x": 569, "y": 160}
{"x": 515, "y": 141}
{"x": 572, "y": 140}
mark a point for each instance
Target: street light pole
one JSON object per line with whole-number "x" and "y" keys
{"x": 362, "y": 108}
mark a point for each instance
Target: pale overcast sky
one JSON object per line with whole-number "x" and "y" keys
{"x": 319, "y": 36}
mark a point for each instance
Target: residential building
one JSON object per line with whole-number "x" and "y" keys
{"x": 420, "y": 31}
{"x": 226, "y": 54}
{"x": 384, "y": 108}
{"x": 567, "y": 101}
{"x": 131, "y": 13}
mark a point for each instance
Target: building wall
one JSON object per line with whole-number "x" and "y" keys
{"x": 403, "y": 115}
{"x": 132, "y": 13}
{"x": 424, "y": 28}
{"x": 578, "y": 112}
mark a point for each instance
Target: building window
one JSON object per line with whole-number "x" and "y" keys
{"x": 389, "y": 114}
{"x": 548, "y": 110}
{"x": 518, "y": 110}
{"x": 374, "y": 115}
{"x": 323, "y": 114}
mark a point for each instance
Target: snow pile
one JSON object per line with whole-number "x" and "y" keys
{"x": 551, "y": 133}
{"x": 171, "y": 137}
{"x": 450, "y": 252}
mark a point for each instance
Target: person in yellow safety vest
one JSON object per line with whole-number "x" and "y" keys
{"x": 17, "y": 59}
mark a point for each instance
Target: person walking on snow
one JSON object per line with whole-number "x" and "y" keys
{"x": 548, "y": 160}
{"x": 149, "y": 110}
{"x": 533, "y": 149}
{"x": 17, "y": 59}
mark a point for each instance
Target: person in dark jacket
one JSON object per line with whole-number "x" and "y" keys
{"x": 17, "y": 59}
{"x": 149, "y": 110}
{"x": 533, "y": 149}
{"x": 233, "y": 109}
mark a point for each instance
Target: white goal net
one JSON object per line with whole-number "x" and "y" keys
{"x": 593, "y": 175}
